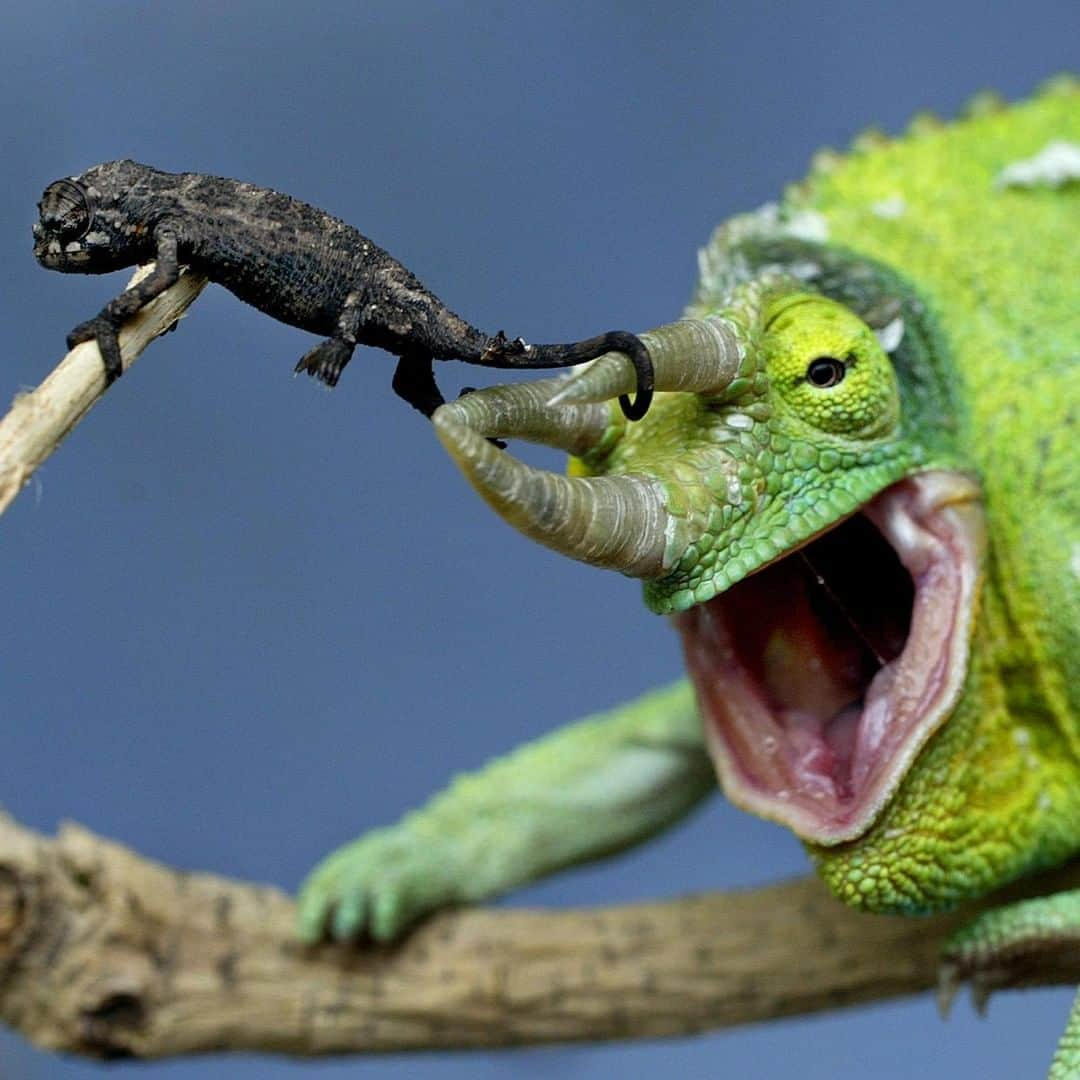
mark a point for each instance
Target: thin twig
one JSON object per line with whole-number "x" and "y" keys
{"x": 39, "y": 419}
{"x": 104, "y": 953}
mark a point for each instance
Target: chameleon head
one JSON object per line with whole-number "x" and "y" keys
{"x": 84, "y": 224}
{"x": 819, "y": 562}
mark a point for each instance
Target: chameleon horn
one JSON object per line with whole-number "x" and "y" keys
{"x": 616, "y": 522}
{"x": 521, "y": 411}
{"x": 697, "y": 355}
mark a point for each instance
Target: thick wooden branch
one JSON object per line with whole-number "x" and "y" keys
{"x": 39, "y": 419}
{"x": 105, "y": 953}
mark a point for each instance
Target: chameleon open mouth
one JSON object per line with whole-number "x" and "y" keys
{"x": 821, "y": 676}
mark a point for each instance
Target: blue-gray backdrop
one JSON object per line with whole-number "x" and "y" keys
{"x": 244, "y": 618}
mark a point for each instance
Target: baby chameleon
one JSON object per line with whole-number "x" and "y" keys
{"x": 289, "y": 260}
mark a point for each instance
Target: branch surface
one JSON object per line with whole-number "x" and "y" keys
{"x": 107, "y": 954}
{"x": 39, "y": 419}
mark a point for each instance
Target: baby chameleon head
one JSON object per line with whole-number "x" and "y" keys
{"x": 86, "y": 223}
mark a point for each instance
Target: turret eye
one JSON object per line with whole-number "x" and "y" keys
{"x": 825, "y": 371}
{"x": 65, "y": 209}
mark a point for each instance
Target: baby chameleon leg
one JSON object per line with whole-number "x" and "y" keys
{"x": 588, "y": 790}
{"x": 327, "y": 360}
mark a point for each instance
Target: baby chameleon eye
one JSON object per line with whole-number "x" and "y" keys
{"x": 65, "y": 209}
{"x": 825, "y": 371}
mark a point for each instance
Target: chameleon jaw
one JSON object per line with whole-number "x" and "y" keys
{"x": 821, "y": 676}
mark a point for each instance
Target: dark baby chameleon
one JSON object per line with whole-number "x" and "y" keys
{"x": 289, "y": 260}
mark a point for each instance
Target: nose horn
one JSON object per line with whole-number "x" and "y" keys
{"x": 697, "y": 355}
{"x": 616, "y": 522}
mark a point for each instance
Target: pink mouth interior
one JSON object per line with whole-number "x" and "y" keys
{"x": 821, "y": 675}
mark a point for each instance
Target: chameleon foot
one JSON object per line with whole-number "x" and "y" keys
{"x": 327, "y": 360}
{"x": 1034, "y": 942}
{"x": 376, "y": 887}
{"x": 1029, "y": 943}
{"x": 103, "y": 332}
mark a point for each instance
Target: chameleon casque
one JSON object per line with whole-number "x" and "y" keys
{"x": 857, "y": 497}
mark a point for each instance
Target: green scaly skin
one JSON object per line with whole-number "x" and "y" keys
{"x": 985, "y": 382}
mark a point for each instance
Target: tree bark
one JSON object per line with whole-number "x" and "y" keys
{"x": 107, "y": 954}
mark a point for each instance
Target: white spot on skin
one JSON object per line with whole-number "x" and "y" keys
{"x": 73, "y": 247}
{"x": 807, "y": 225}
{"x": 1053, "y": 166}
{"x": 1074, "y": 559}
{"x": 890, "y": 335}
{"x": 1045, "y": 802}
{"x": 891, "y": 208}
{"x": 1021, "y": 736}
{"x": 97, "y": 237}
{"x": 804, "y": 271}
{"x": 739, "y": 420}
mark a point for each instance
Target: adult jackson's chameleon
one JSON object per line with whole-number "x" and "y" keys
{"x": 858, "y": 499}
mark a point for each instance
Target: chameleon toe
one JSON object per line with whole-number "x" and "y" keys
{"x": 348, "y": 917}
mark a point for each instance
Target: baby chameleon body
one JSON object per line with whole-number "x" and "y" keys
{"x": 286, "y": 258}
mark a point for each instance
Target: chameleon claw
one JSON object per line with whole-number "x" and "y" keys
{"x": 980, "y": 997}
{"x": 103, "y": 332}
{"x": 948, "y": 987}
{"x": 326, "y": 361}
{"x": 348, "y": 916}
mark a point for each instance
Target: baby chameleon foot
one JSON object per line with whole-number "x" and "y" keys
{"x": 103, "y": 331}
{"x": 327, "y": 360}
{"x": 377, "y": 886}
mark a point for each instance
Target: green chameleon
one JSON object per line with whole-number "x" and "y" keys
{"x": 858, "y": 499}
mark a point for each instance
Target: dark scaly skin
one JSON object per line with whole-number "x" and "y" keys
{"x": 290, "y": 260}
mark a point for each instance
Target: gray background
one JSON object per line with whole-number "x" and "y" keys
{"x": 245, "y": 618}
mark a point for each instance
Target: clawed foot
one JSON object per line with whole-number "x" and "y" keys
{"x": 327, "y": 360}
{"x": 376, "y": 887}
{"x": 102, "y": 331}
{"x": 1034, "y": 942}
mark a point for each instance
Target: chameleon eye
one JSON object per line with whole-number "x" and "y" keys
{"x": 825, "y": 371}
{"x": 65, "y": 209}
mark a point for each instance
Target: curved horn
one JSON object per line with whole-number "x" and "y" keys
{"x": 698, "y": 355}
{"x": 521, "y": 411}
{"x": 617, "y": 522}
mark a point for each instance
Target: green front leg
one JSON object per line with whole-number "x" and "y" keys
{"x": 588, "y": 790}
